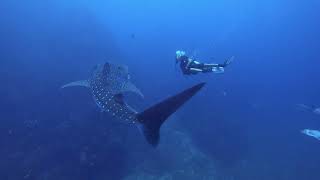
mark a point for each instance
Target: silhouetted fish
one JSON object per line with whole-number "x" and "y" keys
{"x": 109, "y": 82}
{"x": 312, "y": 108}
{"x": 312, "y": 133}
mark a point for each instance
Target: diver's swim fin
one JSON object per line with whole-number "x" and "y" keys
{"x": 153, "y": 117}
{"x": 228, "y": 61}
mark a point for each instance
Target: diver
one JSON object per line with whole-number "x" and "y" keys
{"x": 190, "y": 66}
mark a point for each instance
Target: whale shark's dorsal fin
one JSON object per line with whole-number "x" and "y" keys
{"x": 83, "y": 83}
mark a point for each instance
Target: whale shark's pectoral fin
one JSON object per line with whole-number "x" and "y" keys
{"x": 124, "y": 88}
{"x": 130, "y": 87}
{"x": 117, "y": 79}
{"x": 83, "y": 83}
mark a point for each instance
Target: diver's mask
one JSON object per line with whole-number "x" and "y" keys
{"x": 179, "y": 54}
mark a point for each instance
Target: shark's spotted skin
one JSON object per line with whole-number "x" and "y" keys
{"x": 116, "y": 77}
{"x": 109, "y": 82}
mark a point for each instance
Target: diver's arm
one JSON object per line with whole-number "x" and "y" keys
{"x": 192, "y": 66}
{"x": 189, "y": 63}
{"x": 192, "y": 62}
{"x": 211, "y": 65}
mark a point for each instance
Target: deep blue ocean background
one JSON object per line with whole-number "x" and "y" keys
{"x": 242, "y": 125}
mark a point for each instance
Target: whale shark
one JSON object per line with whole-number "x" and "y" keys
{"x": 108, "y": 84}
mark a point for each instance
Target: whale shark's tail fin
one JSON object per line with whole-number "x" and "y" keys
{"x": 153, "y": 117}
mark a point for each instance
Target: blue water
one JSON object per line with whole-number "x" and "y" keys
{"x": 242, "y": 125}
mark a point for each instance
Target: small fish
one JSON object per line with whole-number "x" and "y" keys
{"x": 224, "y": 93}
{"x": 316, "y": 111}
{"x": 312, "y": 133}
{"x": 109, "y": 82}
{"x": 312, "y": 108}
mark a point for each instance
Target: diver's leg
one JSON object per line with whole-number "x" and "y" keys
{"x": 212, "y": 68}
{"x": 195, "y": 70}
{"x": 211, "y": 65}
{"x": 207, "y": 68}
{"x": 225, "y": 64}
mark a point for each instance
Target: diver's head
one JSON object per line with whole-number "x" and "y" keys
{"x": 179, "y": 54}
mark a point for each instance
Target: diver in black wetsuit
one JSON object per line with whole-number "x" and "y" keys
{"x": 190, "y": 66}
